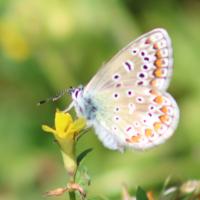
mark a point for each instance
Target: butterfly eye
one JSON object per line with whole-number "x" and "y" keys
{"x": 76, "y": 93}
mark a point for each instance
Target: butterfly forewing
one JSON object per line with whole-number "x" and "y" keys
{"x": 147, "y": 61}
{"x": 134, "y": 109}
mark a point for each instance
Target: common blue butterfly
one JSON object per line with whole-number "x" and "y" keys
{"x": 126, "y": 101}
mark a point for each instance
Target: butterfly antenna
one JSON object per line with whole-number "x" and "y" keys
{"x": 54, "y": 98}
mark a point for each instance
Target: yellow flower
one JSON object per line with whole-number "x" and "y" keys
{"x": 65, "y": 132}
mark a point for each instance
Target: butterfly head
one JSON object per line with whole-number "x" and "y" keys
{"x": 76, "y": 92}
{"x": 83, "y": 103}
{"x": 77, "y": 97}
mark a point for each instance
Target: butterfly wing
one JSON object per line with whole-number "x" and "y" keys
{"x": 141, "y": 120}
{"x": 147, "y": 61}
{"x": 134, "y": 109}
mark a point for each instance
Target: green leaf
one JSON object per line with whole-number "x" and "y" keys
{"x": 82, "y": 155}
{"x": 141, "y": 194}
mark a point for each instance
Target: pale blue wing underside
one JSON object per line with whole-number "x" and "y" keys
{"x": 134, "y": 109}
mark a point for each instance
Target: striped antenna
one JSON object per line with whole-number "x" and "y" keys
{"x": 54, "y": 98}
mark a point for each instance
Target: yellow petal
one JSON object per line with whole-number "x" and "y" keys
{"x": 60, "y": 135}
{"x": 62, "y": 121}
{"x": 48, "y": 129}
{"x": 77, "y": 126}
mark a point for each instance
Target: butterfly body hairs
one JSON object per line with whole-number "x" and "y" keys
{"x": 126, "y": 101}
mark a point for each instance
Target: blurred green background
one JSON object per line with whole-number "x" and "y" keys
{"x": 48, "y": 45}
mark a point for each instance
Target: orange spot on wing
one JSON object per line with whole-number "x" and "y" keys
{"x": 158, "y": 100}
{"x": 155, "y": 46}
{"x": 158, "y": 63}
{"x": 135, "y": 138}
{"x": 164, "y": 118}
{"x": 148, "y": 132}
{"x": 148, "y": 41}
{"x": 158, "y": 54}
{"x": 157, "y": 126}
{"x": 153, "y": 83}
{"x": 158, "y": 73}
{"x": 154, "y": 92}
{"x": 164, "y": 109}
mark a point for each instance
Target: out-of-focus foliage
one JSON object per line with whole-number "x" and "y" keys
{"x": 189, "y": 190}
{"x": 48, "y": 45}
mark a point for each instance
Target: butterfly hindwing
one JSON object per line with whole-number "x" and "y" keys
{"x": 140, "y": 120}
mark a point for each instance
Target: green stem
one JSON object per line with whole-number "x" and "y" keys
{"x": 72, "y": 195}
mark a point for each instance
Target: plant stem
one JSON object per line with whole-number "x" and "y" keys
{"x": 72, "y": 195}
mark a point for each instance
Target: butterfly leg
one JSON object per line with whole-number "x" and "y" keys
{"x": 71, "y": 105}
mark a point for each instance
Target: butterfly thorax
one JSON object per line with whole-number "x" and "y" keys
{"x": 83, "y": 103}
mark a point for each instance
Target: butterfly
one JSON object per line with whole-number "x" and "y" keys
{"x": 126, "y": 101}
